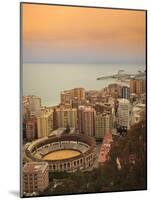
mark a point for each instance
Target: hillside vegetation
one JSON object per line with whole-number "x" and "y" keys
{"x": 131, "y": 152}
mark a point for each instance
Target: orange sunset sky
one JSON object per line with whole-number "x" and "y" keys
{"x": 64, "y": 34}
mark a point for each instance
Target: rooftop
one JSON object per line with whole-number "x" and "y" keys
{"x": 122, "y": 100}
{"x": 105, "y": 148}
{"x": 66, "y": 109}
{"x": 33, "y": 167}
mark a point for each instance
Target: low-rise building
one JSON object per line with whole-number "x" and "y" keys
{"x": 105, "y": 148}
{"x": 35, "y": 177}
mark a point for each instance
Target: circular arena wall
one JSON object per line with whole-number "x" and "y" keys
{"x": 83, "y": 148}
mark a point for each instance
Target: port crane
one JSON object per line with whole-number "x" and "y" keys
{"x": 121, "y": 76}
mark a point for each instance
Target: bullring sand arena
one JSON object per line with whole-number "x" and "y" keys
{"x": 61, "y": 155}
{"x": 70, "y": 152}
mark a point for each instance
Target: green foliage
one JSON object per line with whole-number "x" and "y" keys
{"x": 58, "y": 175}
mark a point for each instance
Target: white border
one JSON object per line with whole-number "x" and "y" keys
{"x": 9, "y": 97}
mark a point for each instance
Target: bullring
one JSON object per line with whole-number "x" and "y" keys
{"x": 80, "y": 152}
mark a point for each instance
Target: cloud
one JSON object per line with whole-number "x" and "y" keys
{"x": 65, "y": 34}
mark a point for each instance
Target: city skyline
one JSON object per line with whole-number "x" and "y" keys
{"x": 34, "y": 75}
{"x": 83, "y": 35}
{"x": 81, "y": 134}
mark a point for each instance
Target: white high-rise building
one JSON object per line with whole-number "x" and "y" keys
{"x": 123, "y": 113}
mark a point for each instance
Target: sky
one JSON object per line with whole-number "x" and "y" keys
{"x": 64, "y": 34}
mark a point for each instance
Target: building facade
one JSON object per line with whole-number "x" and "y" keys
{"x": 31, "y": 129}
{"x": 114, "y": 90}
{"x": 137, "y": 86}
{"x": 78, "y": 93}
{"x": 35, "y": 177}
{"x": 86, "y": 121}
{"x": 125, "y": 92}
{"x": 140, "y": 86}
{"x": 132, "y": 86}
{"x": 123, "y": 113}
{"x": 81, "y": 119}
{"x": 103, "y": 124}
{"x": 34, "y": 105}
{"x": 66, "y": 97}
{"x": 45, "y": 123}
{"x": 66, "y": 117}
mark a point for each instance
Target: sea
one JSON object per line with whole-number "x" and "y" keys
{"x": 48, "y": 80}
